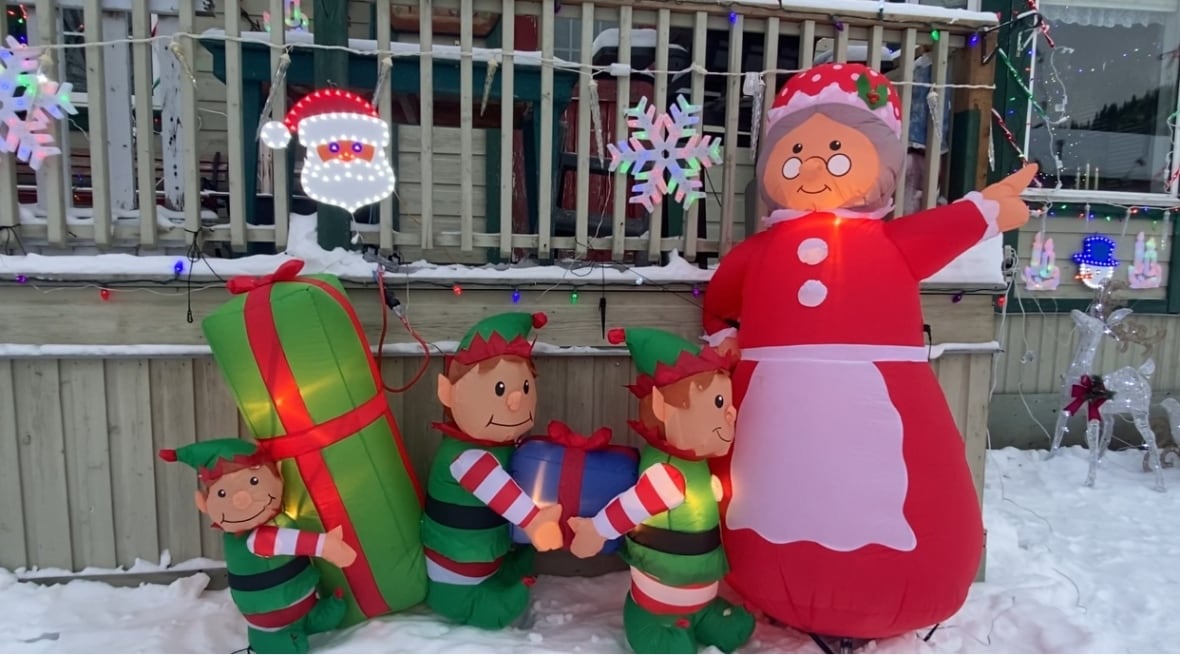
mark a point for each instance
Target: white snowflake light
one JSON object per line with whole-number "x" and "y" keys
{"x": 24, "y": 90}
{"x": 665, "y": 154}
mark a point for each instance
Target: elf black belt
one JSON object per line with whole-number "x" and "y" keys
{"x": 675, "y": 542}
{"x": 269, "y": 579}
{"x": 463, "y": 517}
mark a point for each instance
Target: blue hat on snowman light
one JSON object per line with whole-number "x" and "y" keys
{"x": 1097, "y": 250}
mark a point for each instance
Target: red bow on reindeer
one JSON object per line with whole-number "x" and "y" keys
{"x": 1089, "y": 391}
{"x": 288, "y": 271}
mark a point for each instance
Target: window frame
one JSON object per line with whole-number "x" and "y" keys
{"x": 1165, "y": 198}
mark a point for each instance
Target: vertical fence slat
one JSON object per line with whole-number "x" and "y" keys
{"x": 807, "y": 45}
{"x": 770, "y": 80}
{"x": 733, "y": 104}
{"x": 12, "y": 512}
{"x": 582, "y": 202}
{"x": 655, "y": 227}
{"x": 622, "y": 182}
{"x": 190, "y": 162}
{"x": 426, "y": 117}
{"x": 9, "y": 205}
{"x": 145, "y": 129}
{"x": 700, "y": 33}
{"x": 937, "y": 114}
{"x": 100, "y": 171}
{"x": 117, "y": 100}
{"x": 841, "y": 52}
{"x": 233, "y": 121}
{"x": 876, "y": 40}
{"x": 507, "y": 132}
{"x": 466, "y": 227}
{"x": 52, "y": 178}
{"x": 906, "y": 89}
{"x": 280, "y": 182}
{"x": 545, "y": 188}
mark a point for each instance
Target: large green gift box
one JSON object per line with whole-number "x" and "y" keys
{"x": 300, "y": 367}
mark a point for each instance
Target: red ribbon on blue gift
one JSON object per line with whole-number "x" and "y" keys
{"x": 573, "y": 466}
{"x": 1092, "y": 392}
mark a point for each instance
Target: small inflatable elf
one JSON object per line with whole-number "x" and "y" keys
{"x": 670, "y": 517}
{"x": 489, "y": 390}
{"x": 271, "y": 578}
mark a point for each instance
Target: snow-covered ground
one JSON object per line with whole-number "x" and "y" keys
{"x": 1070, "y": 569}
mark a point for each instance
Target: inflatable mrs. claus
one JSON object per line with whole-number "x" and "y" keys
{"x": 850, "y": 510}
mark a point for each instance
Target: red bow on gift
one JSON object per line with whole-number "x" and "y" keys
{"x": 1089, "y": 391}
{"x": 561, "y": 434}
{"x": 286, "y": 272}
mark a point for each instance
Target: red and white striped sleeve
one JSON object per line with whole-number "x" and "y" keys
{"x": 660, "y": 488}
{"x": 479, "y": 472}
{"x": 269, "y": 540}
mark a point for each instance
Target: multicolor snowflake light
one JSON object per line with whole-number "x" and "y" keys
{"x": 29, "y": 102}
{"x": 665, "y": 154}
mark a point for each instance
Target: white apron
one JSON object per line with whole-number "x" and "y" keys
{"x": 817, "y": 454}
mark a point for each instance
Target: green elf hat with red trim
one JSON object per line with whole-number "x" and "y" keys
{"x": 209, "y": 457}
{"x": 499, "y": 335}
{"x": 663, "y": 358}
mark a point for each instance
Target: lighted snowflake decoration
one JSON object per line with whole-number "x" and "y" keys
{"x": 665, "y": 154}
{"x": 29, "y": 102}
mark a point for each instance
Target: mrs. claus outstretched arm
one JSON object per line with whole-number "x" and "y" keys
{"x": 722, "y": 309}
{"x": 931, "y": 239}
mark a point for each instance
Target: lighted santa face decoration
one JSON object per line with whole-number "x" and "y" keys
{"x": 345, "y": 164}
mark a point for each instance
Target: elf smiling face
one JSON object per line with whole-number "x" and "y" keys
{"x": 242, "y": 499}
{"x": 494, "y": 400}
{"x": 822, "y": 165}
{"x": 697, "y": 413}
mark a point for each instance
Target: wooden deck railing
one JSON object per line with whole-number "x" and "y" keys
{"x": 125, "y": 177}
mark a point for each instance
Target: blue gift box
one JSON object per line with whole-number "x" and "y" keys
{"x": 582, "y": 473}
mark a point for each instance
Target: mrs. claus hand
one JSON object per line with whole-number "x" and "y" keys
{"x": 1006, "y": 192}
{"x": 543, "y": 530}
{"x": 587, "y": 542}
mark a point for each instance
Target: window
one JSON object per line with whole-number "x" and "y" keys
{"x": 567, "y": 37}
{"x": 1105, "y": 93}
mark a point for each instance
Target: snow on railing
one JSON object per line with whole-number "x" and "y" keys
{"x": 145, "y": 185}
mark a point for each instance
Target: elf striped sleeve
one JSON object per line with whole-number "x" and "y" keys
{"x": 660, "y": 488}
{"x": 479, "y": 472}
{"x": 268, "y": 541}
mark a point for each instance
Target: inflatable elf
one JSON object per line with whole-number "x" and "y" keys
{"x": 489, "y": 390}
{"x": 271, "y": 578}
{"x": 670, "y": 517}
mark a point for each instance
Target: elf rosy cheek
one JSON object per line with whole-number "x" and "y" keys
{"x": 345, "y": 151}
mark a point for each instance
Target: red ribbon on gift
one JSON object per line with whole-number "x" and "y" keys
{"x": 288, "y": 271}
{"x": 303, "y": 438}
{"x": 573, "y": 466}
{"x": 1090, "y": 391}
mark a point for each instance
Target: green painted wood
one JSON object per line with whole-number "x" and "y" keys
{"x": 333, "y": 224}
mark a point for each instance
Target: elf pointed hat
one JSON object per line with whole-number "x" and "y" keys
{"x": 663, "y": 358}
{"x": 851, "y": 85}
{"x": 499, "y": 335}
{"x": 325, "y": 116}
{"x": 210, "y": 457}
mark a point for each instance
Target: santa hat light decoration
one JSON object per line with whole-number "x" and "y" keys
{"x": 339, "y": 120}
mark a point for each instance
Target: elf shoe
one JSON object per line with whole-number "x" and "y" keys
{"x": 724, "y": 625}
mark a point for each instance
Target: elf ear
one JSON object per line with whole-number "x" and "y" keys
{"x": 446, "y": 391}
{"x": 658, "y": 407}
{"x": 199, "y": 498}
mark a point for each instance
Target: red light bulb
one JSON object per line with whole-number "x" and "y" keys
{"x": 105, "y": 294}
{"x": 458, "y": 290}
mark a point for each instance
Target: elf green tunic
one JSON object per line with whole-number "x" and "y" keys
{"x": 475, "y": 576}
{"x": 676, "y": 559}
{"x": 273, "y": 584}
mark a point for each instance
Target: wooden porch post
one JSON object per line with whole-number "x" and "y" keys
{"x": 333, "y": 224}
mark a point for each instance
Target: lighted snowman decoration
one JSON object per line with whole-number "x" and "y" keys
{"x": 1096, "y": 261}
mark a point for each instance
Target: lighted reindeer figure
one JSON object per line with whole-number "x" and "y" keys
{"x": 1124, "y": 391}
